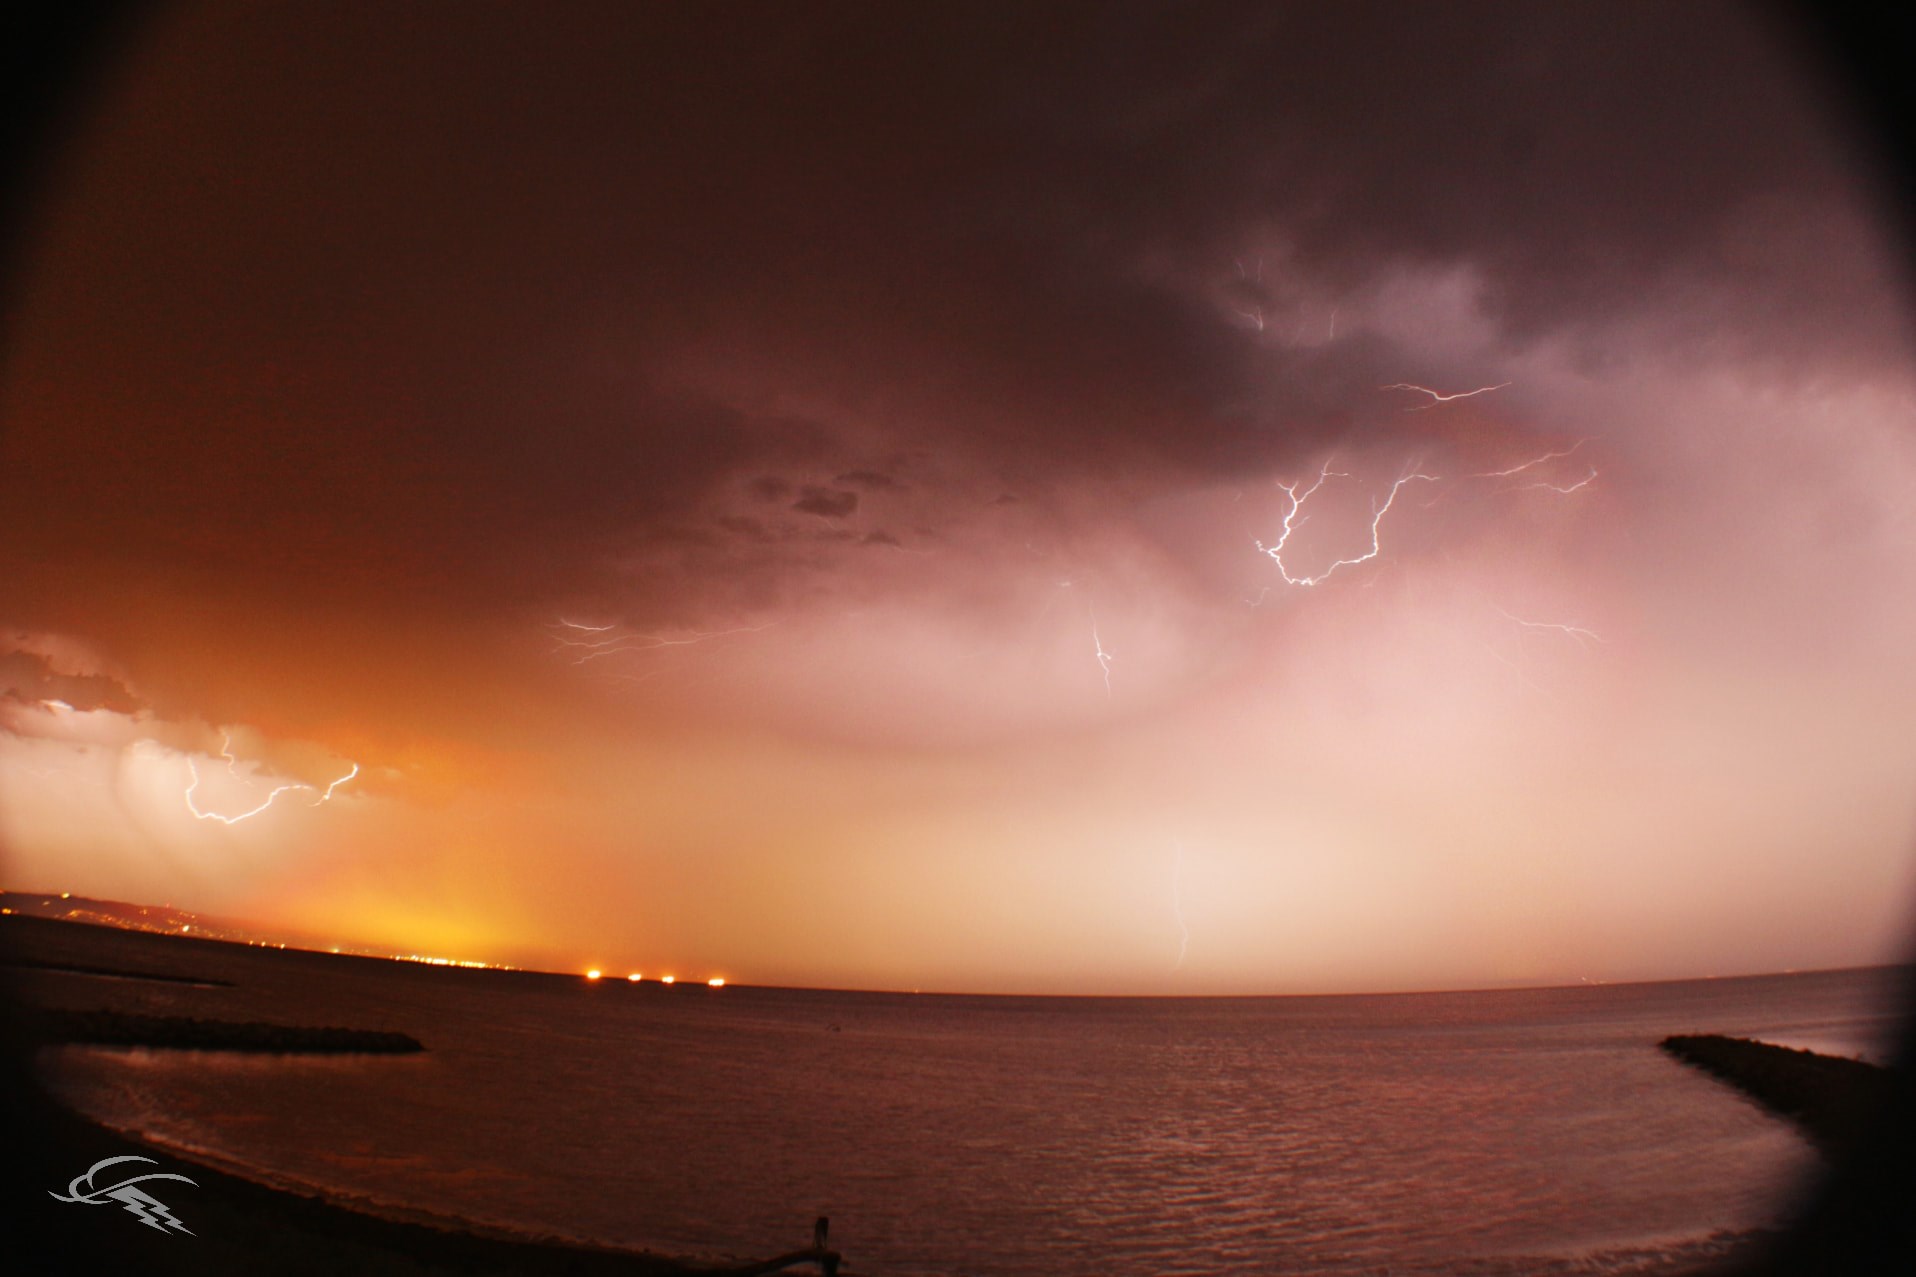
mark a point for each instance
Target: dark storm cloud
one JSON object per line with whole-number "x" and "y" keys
{"x": 469, "y": 305}
{"x": 870, "y": 480}
{"x": 744, "y": 526}
{"x": 826, "y": 503}
{"x": 31, "y": 678}
{"x": 769, "y": 487}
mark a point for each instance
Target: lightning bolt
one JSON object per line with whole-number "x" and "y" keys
{"x": 1255, "y": 317}
{"x": 1530, "y": 464}
{"x": 1104, "y": 657}
{"x": 226, "y": 752}
{"x": 1177, "y": 906}
{"x": 1534, "y": 462}
{"x": 1436, "y": 397}
{"x": 1275, "y": 551}
{"x": 628, "y": 641}
{"x": 1584, "y": 637}
{"x": 328, "y": 795}
{"x": 1561, "y": 490}
{"x": 228, "y": 820}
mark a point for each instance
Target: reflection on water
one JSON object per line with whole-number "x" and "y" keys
{"x": 1526, "y": 1131}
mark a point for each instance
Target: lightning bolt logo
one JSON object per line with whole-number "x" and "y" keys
{"x": 143, "y": 1206}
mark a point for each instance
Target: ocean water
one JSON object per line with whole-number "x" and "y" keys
{"x": 1512, "y": 1132}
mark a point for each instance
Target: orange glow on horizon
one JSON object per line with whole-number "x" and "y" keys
{"x": 634, "y": 977}
{"x": 717, "y": 982}
{"x": 667, "y": 979}
{"x": 593, "y": 974}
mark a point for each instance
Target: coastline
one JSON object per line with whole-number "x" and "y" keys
{"x": 245, "y": 1219}
{"x": 241, "y": 1225}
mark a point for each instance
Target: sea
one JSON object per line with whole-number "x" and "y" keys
{"x": 1511, "y": 1132}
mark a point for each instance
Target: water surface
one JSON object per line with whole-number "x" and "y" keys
{"x": 1503, "y": 1132}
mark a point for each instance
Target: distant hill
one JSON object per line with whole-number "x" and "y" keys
{"x": 116, "y": 913}
{"x": 161, "y": 919}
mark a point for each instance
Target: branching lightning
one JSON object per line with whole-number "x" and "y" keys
{"x": 1530, "y": 464}
{"x": 1104, "y": 657}
{"x": 1584, "y": 637}
{"x": 229, "y": 820}
{"x": 1436, "y": 397}
{"x": 232, "y": 767}
{"x": 591, "y": 649}
{"x": 1257, "y": 316}
{"x": 1275, "y": 551}
{"x": 1589, "y": 477}
{"x": 1564, "y": 490}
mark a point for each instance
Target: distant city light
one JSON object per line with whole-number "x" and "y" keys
{"x": 436, "y": 962}
{"x": 634, "y": 977}
{"x": 667, "y": 979}
{"x": 717, "y": 982}
{"x": 593, "y": 974}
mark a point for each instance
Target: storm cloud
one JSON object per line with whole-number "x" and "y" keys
{"x": 1260, "y": 408}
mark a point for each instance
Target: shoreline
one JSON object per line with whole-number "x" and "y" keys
{"x": 250, "y": 1220}
{"x": 242, "y": 1224}
{"x": 1903, "y": 971}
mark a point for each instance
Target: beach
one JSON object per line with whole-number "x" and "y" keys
{"x": 342, "y": 1173}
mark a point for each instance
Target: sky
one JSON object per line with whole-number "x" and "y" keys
{"x": 1120, "y": 498}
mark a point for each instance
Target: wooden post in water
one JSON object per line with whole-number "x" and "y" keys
{"x": 818, "y": 1253}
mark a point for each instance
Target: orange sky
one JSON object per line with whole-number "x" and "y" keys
{"x": 795, "y": 500}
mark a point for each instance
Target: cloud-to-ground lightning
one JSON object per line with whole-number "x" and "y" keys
{"x": 226, "y": 752}
{"x": 1275, "y": 551}
{"x": 1177, "y": 907}
{"x": 1104, "y": 657}
{"x": 1437, "y": 397}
